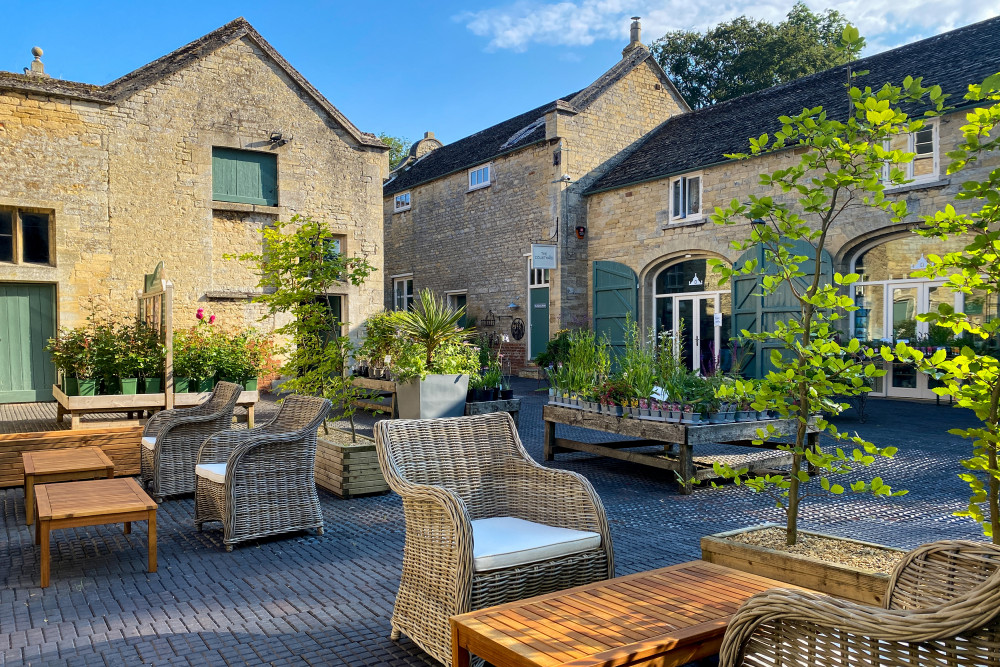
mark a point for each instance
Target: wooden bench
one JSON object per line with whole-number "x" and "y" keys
{"x": 664, "y": 617}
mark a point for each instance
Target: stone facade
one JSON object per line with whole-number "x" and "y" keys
{"x": 126, "y": 174}
{"x": 453, "y": 238}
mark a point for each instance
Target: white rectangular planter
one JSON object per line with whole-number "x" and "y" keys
{"x": 433, "y": 397}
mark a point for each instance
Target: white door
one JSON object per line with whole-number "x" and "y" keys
{"x": 694, "y": 315}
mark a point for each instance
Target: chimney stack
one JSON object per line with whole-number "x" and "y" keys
{"x": 37, "y": 68}
{"x": 635, "y": 37}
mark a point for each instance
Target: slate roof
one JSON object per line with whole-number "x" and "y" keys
{"x": 701, "y": 138}
{"x": 512, "y": 134}
{"x": 147, "y": 75}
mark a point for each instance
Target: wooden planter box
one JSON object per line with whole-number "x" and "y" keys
{"x": 843, "y": 581}
{"x": 120, "y": 444}
{"x": 348, "y": 469}
{"x": 511, "y": 406}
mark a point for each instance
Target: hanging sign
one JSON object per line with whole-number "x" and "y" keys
{"x": 543, "y": 256}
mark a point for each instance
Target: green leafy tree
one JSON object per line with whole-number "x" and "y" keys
{"x": 840, "y": 169}
{"x": 972, "y": 378}
{"x": 399, "y": 148}
{"x": 298, "y": 270}
{"x": 745, "y": 54}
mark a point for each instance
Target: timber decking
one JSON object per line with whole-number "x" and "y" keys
{"x": 663, "y": 617}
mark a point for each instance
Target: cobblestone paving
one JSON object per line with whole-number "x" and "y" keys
{"x": 326, "y": 600}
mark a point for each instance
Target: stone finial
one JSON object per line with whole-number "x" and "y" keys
{"x": 36, "y": 68}
{"x": 428, "y": 135}
{"x": 635, "y": 37}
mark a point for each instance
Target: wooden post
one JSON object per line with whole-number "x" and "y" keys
{"x": 168, "y": 341}
{"x": 549, "y": 439}
{"x": 686, "y": 456}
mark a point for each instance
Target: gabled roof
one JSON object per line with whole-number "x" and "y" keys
{"x": 147, "y": 75}
{"x": 702, "y": 138}
{"x": 515, "y": 133}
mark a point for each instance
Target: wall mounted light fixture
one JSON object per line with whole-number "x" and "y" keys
{"x": 581, "y": 232}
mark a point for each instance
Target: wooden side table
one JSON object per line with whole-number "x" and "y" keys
{"x": 92, "y": 503}
{"x": 61, "y": 465}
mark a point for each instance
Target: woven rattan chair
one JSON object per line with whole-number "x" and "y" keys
{"x": 942, "y": 609}
{"x": 469, "y": 488}
{"x": 261, "y": 481}
{"x": 171, "y": 440}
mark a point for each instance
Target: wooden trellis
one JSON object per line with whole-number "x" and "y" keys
{"x": 155, "y": 308}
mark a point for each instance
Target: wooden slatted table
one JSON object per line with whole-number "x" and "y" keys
{"x": 61, "y": 465}
{"x": 664, "y": 617}
{"x": 92, "y": 503}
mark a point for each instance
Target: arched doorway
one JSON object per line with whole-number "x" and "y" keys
{"x": 688, "y": 300}
{"x": 889, "y": 299}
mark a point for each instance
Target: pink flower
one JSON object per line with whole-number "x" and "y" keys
{"x": 200, "y": 314}
{"x": 211, "y": 319}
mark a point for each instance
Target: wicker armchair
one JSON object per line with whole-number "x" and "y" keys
{"x": 171, "y": 440}
{"x": 469, "y": 490}
{"x": 942, "y": 608}
{"x": 261, "y": 481}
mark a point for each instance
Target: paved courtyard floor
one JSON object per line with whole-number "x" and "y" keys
{"x": 326, "y": 600}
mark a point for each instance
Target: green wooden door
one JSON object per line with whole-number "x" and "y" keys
{"x": 27, "y": 321}
{"x": 616, "y": 292}
{"x": 539, "y": 319}
{"x": 752, "y": 313}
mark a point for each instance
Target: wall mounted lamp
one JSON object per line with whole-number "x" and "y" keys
{"x": 581, "y": 232}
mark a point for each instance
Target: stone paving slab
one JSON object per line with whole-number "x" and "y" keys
{"x": 326, "y": 600}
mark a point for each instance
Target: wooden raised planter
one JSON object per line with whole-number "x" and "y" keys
{"x": 121, "y": 445}
{"x": 348, "y": 469}
{"x": 843, "y": 581}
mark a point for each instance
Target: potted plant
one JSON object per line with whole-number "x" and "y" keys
{"x": 433, "y": 391}
{"x": 506, "y": 393}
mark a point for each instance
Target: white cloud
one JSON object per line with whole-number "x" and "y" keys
{"x": 885, "y": 23}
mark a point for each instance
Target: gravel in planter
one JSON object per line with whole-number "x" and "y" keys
{"x": 823, "y": 548}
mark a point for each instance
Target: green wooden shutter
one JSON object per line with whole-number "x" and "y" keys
{"x": 248, "y": 177}
{"x": 616, "y": 291}
{"x": 27, "y": 321}
{"x": 752, "y": 313}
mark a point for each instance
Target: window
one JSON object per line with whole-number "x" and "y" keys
{"x": 245, "y": 177}
{"x": 479, "y": 177}
{"x": 457, "y": 300}
{"x": 402, "y": 202}
{"x": 402, "y": 293}
{"x": 685, "y": 198}
{"x": 538, "y": 277}
{"x": 25, "y": 237}
{"x": 923, "y": 144}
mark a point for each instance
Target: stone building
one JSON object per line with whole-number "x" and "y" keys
{"x": 182, "y": 161}
{"x": 461, "y": 218}
{"x": 649, "y": 233}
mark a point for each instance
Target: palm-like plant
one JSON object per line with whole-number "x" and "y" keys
{"x": 432, "y": 323}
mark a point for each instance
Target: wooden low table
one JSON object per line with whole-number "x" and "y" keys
{"x": 92, "y": 503}
{"x": 664, "y": 617}
{"x": 61, "y": 465}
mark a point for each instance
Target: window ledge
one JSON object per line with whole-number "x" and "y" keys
{"x": 697, "y": 222}
{"x": 478, "y": 187}
{"x": 910, "y": 187}
{"x": 231, "y": 295}
{"x": 244, "y": 208}
{"x": 401, "y": 210}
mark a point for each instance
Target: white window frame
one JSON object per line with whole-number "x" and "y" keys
{"x": 907, "y": 168}
{"x": 478, "y": 171}
{"x": 407, "y": 295}
{"x": 685, "y": 215}
{"x": 397, "y": 206}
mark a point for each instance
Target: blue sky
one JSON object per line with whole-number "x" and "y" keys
{"x": 406, "y": 67}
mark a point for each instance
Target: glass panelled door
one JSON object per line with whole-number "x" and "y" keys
{"x": 700, "y": 337}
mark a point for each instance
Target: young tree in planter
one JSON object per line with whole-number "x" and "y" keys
{"x": 431, "y": 323}
{"x": 299, "y": 267}
{"x": 841, "y": 168}
{"x": 972, "y": 378}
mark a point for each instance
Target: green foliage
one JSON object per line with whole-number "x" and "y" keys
{"x": 108, "y": 350}
{"x": 399, "y": 148}
{"x": 556, "y": 349}
{"x": 743, "y": 55}
{"x": 972, "y": 378}
{"x": 431, "y": 323}
{"x": 297, "y": 274}
{"x": 637, "y": 363}
{"x": 842, "y": 166}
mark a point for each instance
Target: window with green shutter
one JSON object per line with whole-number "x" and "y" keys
{"x": 247, "y": 177}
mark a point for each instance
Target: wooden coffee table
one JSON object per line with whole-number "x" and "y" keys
{"x": 61, "y": 465}
{"x": 664, "y": 617}
{"x": 92, "y": 503}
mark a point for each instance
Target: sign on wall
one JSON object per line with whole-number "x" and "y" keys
{"x": 543, "y": 256}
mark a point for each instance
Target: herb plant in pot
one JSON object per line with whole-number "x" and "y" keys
{"x": 439, "y": 388}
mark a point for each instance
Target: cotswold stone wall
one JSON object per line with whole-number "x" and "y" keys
{"x": 131, "y": 184}
{"x": 630, "y": 224}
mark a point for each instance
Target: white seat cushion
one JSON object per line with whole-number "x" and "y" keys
{"x": 215, "y": 472}
{"x": 148, "y": 442}
{"x": 503, "y": 541}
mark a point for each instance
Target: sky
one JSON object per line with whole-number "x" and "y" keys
{"x": 406, "y": 67}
